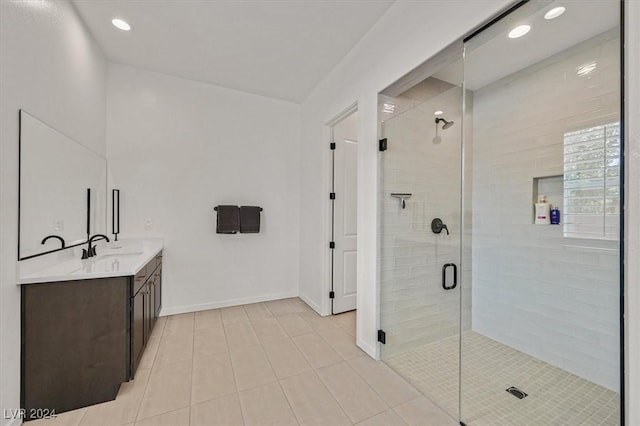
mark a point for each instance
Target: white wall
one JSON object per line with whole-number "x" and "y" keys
{"x": 553, "y": 297}
{"x": 176, "y": 149}
{"x": 408, "y": 34}
{"x": 51, "y": 67}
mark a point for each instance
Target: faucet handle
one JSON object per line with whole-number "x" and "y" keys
{"x": 85, "y": 254}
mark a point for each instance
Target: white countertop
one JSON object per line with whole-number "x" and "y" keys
{"x": 124, "y": 258}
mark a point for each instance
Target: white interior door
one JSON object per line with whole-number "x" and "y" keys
{"x": 345, "y": 215}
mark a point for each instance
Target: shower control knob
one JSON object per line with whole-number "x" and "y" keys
{"x": 437, "y": 226}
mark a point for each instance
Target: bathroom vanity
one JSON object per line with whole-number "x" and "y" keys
{"x": 85, "y": 323}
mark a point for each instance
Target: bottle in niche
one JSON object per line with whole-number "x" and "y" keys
{"x": 555, "y": 215}
{"x": 543, "y": 210}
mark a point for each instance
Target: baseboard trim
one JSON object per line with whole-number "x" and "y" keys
{"x": 311, "y": 304}
{"x": 370, "y": 350}
{"x": 175, "y": 310}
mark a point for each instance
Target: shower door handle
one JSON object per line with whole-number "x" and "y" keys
{"x": 444, "y": 276}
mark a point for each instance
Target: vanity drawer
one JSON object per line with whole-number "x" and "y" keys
{"x": 147, "y": 270}
{"x": 139, "y": 279}
{"x": 154, "y": 263}
{"x": 159, "y": 259}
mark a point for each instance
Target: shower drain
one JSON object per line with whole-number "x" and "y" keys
{"x": 516, "y": 392}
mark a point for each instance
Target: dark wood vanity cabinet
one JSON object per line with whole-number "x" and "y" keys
{"x": 146, "y": 302}
{"x": 81, "y": 339}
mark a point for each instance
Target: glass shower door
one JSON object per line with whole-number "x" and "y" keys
{"x": 420, "y": 228}
{"x": 544, "y": 347}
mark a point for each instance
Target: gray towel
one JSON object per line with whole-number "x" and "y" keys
{"x": 228, "y": 221}
{"x": 250, "y": 219}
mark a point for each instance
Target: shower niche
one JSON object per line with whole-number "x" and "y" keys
{"x": 551, "y": 187}
{"x": 493, "y": 123}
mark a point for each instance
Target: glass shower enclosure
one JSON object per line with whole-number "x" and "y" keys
{"x": 494, "y": 313}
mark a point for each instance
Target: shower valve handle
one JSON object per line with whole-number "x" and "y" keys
{"x": 437, "y": 226}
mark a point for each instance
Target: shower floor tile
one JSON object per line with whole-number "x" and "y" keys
{"x": 554, "y": 396}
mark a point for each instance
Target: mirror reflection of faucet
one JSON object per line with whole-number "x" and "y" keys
{"x": 44, "y": 240}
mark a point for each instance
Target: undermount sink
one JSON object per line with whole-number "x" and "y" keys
{"x": 116, "y": 252}
{"x": 112, "y": 259}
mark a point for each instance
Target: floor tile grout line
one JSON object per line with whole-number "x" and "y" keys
{"x": 233, "y": 373}
{"x": 146, "y": 385}
{"x": 82, "y": 417}
{"x": 193, "y": 357}
{"x": 324, "y": 385}
{"x": 332, "y": 394}
{"x": 161, "y": 414}
{"x": 307, "y": 358}
{"x": 312, "y": 369}
{"x": 366, "y": 383}
{"x": 265, "y": 384}
{"x": 374, "y": 389}
{"x": 153, "y": 361}
{"x": 289, "y": 403}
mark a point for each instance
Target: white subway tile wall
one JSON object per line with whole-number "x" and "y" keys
{"x": 552, "y": 297}
{"x": 415, "y": 309}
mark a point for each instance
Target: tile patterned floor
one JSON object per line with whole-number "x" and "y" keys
{"x": 555, "y": 397}
{"x": 272, "y": 363}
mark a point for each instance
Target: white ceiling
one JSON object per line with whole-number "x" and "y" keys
{"x": 276, "y": 48}
{"x": 501, "y": 56}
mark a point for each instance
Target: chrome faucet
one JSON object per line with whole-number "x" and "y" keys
{"x": 90, "y": 251}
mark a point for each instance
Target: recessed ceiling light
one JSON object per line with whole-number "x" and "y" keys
{"x": 438, "y": 112}
{"x": 554, "y": 13}
{"x": 389, "y": 108}
{"x": 120, "y": 24}
{"x": 585, "y": 70}
{"x": 519, "y": 31}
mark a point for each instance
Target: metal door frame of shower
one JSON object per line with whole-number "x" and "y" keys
{"x": 446, "y": 56}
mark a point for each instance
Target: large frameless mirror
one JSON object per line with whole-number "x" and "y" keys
{"x": 62, "y": 190}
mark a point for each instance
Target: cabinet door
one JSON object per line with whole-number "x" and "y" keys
{"x": 137, "y": 328}
{"x": 151, "y": 289}
{"x": 158, "y": 291}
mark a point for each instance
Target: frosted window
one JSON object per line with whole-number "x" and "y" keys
{"x": 592, "y": 182}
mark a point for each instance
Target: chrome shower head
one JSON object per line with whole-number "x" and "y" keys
{"x": 446, "y": 125}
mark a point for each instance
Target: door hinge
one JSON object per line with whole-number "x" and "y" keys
{"x": 382, "y": 337}
{"x": 332, "y": 145}
{"x": 382, "y": 144}
{"x": 332, "y": 295}
{"x": 332, "y": 196}
{"x": 332, "y": 245}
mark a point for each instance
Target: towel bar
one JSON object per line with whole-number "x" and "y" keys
{"x": 216, "y": 208}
